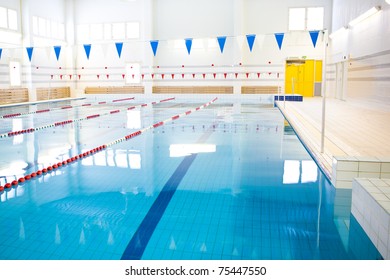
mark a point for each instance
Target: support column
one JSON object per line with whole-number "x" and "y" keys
{"x": 27, "y": 42}
{"x": 148, "y": 59}
{"x": 70, "y": 49}
{"x": 238, "y": 30}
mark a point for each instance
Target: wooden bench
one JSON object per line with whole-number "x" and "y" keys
{"x": 15, "y": 95}
{"x": 53, "y": 93}
{"x": 192, "y": 89}
{"x": 260, "y": 89}
{"x": 115, "y": 90}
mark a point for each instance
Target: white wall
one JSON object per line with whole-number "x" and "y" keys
{"x": 175, "y": 19}
{"x": 365, "y": 48}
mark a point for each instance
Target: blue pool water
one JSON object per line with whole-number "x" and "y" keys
{"x": 231, "y": 181}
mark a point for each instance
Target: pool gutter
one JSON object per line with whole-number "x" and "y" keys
{"x": 40, "y": 102}
{"x": 318, "y": 161}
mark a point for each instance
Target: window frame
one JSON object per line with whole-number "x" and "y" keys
{"x": 306, "y": 24}
{"x": 9, "y": 26}
{"x": 48, "y": 28}
{"x": 109, "y": 31}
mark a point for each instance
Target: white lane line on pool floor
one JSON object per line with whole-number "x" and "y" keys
{"x": 14, "y": 183}
{"x": 9, "y": 116}
{"x": 62, "y": 123}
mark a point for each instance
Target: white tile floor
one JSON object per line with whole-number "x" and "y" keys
{"x": 353, "y": 129}
{"x": 371, "y": 208}
{"x": 356, "y": 146}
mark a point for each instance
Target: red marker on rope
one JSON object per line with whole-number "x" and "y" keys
{"x": 55, "y": 166}
{"x": 62, "y": 123}
{"x": 60, "y": 108}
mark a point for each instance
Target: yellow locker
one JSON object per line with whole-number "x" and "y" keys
{"x": 304, "y": 73}
{"x": 309, "y": 71}
{"x": 291, "y": 73}
{"x": 318, "y": 67}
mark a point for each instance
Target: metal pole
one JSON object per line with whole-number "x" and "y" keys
{"x": 323, "y": 90}
{"x": 320, "y": 186}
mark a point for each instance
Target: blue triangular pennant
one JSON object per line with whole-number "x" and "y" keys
{"x": 30, "y": 52}
{"x": 119, "y": 47}
{"x": 154, "y": 45}
{"x": 279, "y": 38}
{"x": 251, "y": 41}
{"x": 188, "y": 44}
{"x": 1, "y": 50}
{"x": 221, "y": 42}
{"x": 314, "y": 37}
{"x": 57, "y": 50}
{"x": 87, "y": 49}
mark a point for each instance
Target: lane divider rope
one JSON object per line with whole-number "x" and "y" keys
{"x": 53, "y": 167}
{"x": 62, "y": 123}
{"x": 62, "y": 108}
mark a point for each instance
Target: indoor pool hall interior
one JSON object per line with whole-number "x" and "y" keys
{"x": 191, "y": 130}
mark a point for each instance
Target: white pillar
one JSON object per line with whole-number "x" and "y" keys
{"x": 70, "y": 49}
{"x": 147, "y": 35}
{"x": 238, "y": 30}
{"x": 27, "y": 42}
{"x": 324, "y": 68}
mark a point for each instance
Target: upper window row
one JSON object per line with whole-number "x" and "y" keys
{"x": 8, "y": 19}
{"x": 306, "y": 18}
{"x": 108, "y": 31}
{"x": 48, "y": 28}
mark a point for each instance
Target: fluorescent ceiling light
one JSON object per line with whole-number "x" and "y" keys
{"x": 388, "y": 2}
{"x": 365, "y": 15}
{"x": 337, "y": 32}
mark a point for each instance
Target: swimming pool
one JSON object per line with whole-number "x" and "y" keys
{"x": 230, "y": 181}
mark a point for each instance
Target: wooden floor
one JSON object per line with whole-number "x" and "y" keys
{"x": 353, "y": 128}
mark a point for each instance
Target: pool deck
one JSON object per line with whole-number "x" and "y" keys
{"x": 353, "y": 128}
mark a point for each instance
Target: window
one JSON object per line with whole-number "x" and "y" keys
{"x": 296, "y": 20}
{"x": 212, "y": 43}
{"x": 12, "y": 19}
{"x": 83, "y": 32}
{"x": 107, "y": 31}
{"x": 35, "y": 25}
{"x": 118, "y": 31}
{"x": 3, "y": 18}
{"x": 132, "y": 30}
{"x": 8, "y": 19}
{"x": 61, "y": 31}
{"x": 306, "y": 18}
{"x": 97, "y": 31}
{"x": 42, "y": 27}
{"x": 54, "y": 29}
{"x": 48, "y": 28}
{"x": 315, "y": 18}
{"x": 197, "y": 44}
